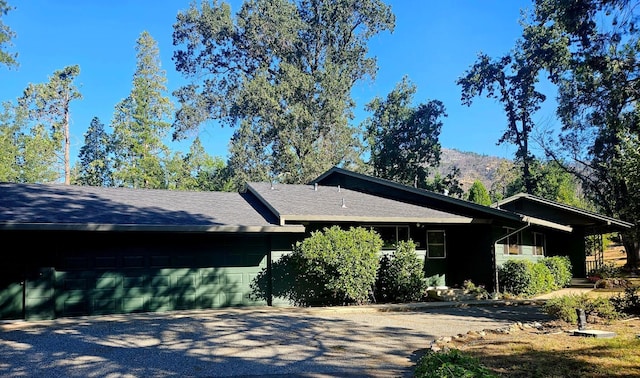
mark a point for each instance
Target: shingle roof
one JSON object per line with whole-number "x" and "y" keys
{"x": 331, "y": 203}
{"x": 536, "y": 206}
{"x": 58, "y": 206}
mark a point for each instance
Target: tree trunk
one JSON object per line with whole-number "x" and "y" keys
{"x": 631, "y": 242}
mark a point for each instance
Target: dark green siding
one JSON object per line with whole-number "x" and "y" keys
{"x": 89, "y": 273}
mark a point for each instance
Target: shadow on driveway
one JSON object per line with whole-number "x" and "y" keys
{"x": 263, "y": 341}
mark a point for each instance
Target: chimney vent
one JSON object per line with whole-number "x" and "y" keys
{"x": 344, "y": 205}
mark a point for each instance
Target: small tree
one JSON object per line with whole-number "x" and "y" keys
{"x": 479, "y": 194}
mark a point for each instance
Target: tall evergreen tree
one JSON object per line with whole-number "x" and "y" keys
{"x": 48, "y": 105}
{"x": 282, "y": 71}
{"x": 27, "y": 150}
{"x": 141, "y": 123}
{"x": 95, "y": 164}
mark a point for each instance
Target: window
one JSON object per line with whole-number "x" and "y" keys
{"x": 538, "y": 244}
{"x": 436, "y": 246}
{"x": 391, "y": 235}
{"x": 512, "y": 243}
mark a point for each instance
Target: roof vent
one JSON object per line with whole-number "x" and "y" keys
{"x": 272, "y": 185}
{"x": 338, "y": 188}
{"x": 344, "y": 205}
{"x": 315, "y": 186}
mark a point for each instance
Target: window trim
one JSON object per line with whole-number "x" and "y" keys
{"x": 506, "y": 247}
{"x": 535, "y": 243}
{"x": 443, "y": 244}
{"x": 397, "y": 227}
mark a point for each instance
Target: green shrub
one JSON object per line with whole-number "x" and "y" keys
{"x": 607, "y": 270}
{"x": 401, "y": 276}
{"x": 525, "y": 278}
{"x": 477, "y": 291}
{"x": 560, "y": 268}
{"x": 450, "y": 364}
{"x": 542, "y": 281}
{"x": 564, "y": 307}
{"x": 515, "y": 276}
{"x": 330, "y": 267}
{"x": 629, "y": 303}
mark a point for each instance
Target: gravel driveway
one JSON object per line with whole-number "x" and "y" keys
{"x": 249, "y": 342}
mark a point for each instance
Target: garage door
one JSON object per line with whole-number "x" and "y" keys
{"x": 136, "y": 279}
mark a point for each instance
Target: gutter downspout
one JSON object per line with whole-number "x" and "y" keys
{"x": 496, "y": 286}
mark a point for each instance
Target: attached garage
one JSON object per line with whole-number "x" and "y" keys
{"x": 70, "y": 251}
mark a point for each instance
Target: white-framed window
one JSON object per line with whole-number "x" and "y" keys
{"x": 436, "y": 244}
{"x": 391, "y": 235}
{"x": 512, "y": 243}
{"x": 539, "y": 244}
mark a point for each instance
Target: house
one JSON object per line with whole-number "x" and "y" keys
{"x": 74, "y": 250}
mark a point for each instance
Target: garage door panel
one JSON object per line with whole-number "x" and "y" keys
{"x": 106, "y": 306}
{"x": 123, "y": 280}
{"x": 133, "y": 304}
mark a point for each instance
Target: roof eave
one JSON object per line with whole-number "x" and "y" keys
{"x": 153, "y": 228}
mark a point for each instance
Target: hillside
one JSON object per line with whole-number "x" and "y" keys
{"x": 472, "y": 166}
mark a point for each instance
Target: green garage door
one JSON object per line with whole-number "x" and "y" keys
{"x": 208, "y": 275}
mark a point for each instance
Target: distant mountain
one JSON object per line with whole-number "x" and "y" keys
{"x": 472, "y": 166}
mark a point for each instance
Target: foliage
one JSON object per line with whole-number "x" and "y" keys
{"x": 26, "y": 150}
{"x": 282, "y": 72}
{"x": 606, "y": 270}
{"x": 450, "y": 364}
{"x": 592, "y": 56}
{"x": 449, "y": 184}
{"x": 95, "y": 164}
{"x": 478, "y": 291}
{"x": 139, "y": 123}
{"x": 404, "y": 139}
{"x": 629, "y": 302}
{"x": 330, "y": 267}
{"x": 525, "y": 278}
{"x": 47, "y": 106}
{"x": 400, "y": 276}
{"x": 479, "y": 194}
{"x": 511, "y": 79}
{"x": 564, "y": 307}
{"x": 6, "y": 34}
{"x": 198, "y": 171}
{"x": 560, "y": 268}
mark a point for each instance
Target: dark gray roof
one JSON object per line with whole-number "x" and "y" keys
{"x": 55, "y": 206}
{"x": 539, "y": 207}
{"x": 297, "y": 203}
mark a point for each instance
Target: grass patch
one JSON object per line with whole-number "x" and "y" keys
{"x": 552, "y": 351}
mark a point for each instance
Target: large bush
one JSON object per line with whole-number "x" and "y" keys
{"x": 401, "y": 275}
{"x": 560, "y": 268}
{"x": 331, "y": 267}
{"x": 525, "y": 278}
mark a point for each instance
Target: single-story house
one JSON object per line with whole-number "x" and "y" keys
{"x": 80, "y": 250}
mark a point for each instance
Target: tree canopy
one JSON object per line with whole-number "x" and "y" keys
{"x": 281, "y": 72}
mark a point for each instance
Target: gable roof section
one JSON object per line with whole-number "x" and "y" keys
{"x": 389, "y": 189}
{"x": 557, "y": 212}
{"x": 310, "y": 203}
{"x": 64, "y": 207}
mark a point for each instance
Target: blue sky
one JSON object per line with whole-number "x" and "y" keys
{"x": 433, "y": 43}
